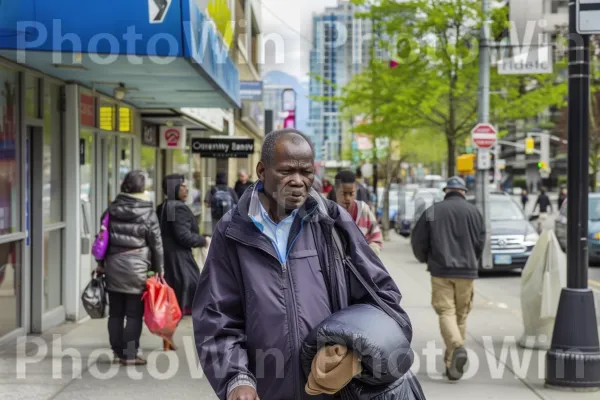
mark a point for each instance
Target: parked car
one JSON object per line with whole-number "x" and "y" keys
{"x": 513, "y": 236}
{"x": 405, "y": 217}
{"x": 414, "y": 207}
{"x": 560, "y": 227}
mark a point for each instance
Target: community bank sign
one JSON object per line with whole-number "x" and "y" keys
{"x": 222, "y": 148}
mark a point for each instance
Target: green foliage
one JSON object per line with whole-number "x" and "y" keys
{"x": 430, "y": 99}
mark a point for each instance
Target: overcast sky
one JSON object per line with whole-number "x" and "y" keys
{"x": 291, "y": 19}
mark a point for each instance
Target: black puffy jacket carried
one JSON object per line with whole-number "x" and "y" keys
{"x": 382, "y": 347}
{"x": 134, "y": 244}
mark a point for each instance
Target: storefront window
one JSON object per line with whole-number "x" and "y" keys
{"x": 149, "y": 167}
{"x": 10, "y": 199}
{"x": 10, "y": 287}
{"x": 126, "y": 160}
{"x": 32, "y": 98}
{"x": 52, "y": 202}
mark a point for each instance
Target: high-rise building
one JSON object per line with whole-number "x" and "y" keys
{"x": 340, "y": 49}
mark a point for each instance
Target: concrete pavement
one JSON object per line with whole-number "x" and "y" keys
{"x": 73, "y": 361}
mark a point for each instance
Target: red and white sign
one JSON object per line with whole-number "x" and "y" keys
{"x": 173, "y": 137}
{"x": 484, "y": 136}
{"x": 87, "y": 115}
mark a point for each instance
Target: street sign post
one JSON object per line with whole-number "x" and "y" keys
{"x": 484, "y": 159}
{"x": 588, "y": 17}
{"x": 484, "y": 136}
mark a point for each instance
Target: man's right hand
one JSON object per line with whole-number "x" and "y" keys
{"x": 243, "y": 393}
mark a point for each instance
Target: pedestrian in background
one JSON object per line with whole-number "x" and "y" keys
{"x": 544, "y": 205}
{"x": 346, "y": 190}
{"x": 180, "y": 234}
{"x": 362, "y": 193}
{"x": 562, "y": 196}
{"x": 135, "y": 248}
{"x": 524, "y": 198}
{"x": 270, "y": 277}
{"x": 450, "y": 237}
{"x": 220, "y": 199}
{"x": 242, "y": 183}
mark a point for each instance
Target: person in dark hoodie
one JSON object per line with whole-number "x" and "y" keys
{"x": 180, "y": 234}
{"x": 271, "y": 274}
{"x": 135, "y": 248}
{"x": 221, "y": 199}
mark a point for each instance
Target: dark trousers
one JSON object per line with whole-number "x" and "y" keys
{"x": 125, "y": 337}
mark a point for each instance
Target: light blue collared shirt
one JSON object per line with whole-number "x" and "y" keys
{"x": 278, "y": 233}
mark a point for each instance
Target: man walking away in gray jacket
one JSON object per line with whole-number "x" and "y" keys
{"x": 450, "y": 237}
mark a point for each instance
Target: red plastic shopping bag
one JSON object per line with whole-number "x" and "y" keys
{"x": 161, "y": 309}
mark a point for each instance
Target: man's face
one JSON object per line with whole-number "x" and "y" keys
{"x": 291, "y": 176}
{"x": 346, "y": 194}
{"x": 183, "y": 192}
{"x": 243, "y": 177}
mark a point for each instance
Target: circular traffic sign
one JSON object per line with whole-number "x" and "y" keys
{"x": 484, "y": 136}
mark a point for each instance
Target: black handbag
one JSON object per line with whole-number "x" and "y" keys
{"x": 95, "y": 297}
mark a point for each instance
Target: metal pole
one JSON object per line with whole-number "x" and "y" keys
{"x": 496, "y": 167}
{"x": 482, "y": 182}
{"x": 573, "y": 360}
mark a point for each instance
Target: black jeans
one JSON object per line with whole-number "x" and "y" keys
{"x": 125, "y": 338}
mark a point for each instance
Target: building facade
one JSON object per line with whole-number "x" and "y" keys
{"x": 340, "y": 49}
{"x": 81, "y": 104}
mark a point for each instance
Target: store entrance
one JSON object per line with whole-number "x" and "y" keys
{"x": 47, "y": 228}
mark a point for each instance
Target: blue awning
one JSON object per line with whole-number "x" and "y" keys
{"x": 169, "y": 56}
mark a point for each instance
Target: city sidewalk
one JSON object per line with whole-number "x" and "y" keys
{"x": 497, "y": 369}
{"x": 73, "y": 361}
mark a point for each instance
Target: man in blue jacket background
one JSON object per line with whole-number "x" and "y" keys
{"x": 263, "y": 288}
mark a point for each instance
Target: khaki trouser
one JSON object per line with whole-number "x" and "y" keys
{"x": 452, "y": 299}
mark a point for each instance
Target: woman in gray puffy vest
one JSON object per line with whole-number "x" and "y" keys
{"x": 135, "y": 249}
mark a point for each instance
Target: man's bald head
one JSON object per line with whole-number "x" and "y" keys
{"x": 267, "y": 156}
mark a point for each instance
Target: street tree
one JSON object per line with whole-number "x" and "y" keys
{"x": 442, "y": 35}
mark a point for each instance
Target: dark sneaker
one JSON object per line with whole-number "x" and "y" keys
{"x": 457, "y": 364}
{"x": 116, "y": 359}
{"x": 135, "y": 361}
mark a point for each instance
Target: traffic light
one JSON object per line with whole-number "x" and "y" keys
{"x": 542, "y": 165}
{"x": 529, "y": 145}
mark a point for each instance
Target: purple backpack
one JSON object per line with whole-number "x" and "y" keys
{"x": 101, "y": 243}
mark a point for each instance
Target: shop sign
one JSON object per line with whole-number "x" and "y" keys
{"x": 87, "y": 115}
{"x": 172, "y": 137}
{"x": 223, "y": 148}
{"x": 251, "y": 90}
{"x": 150, "y": 135}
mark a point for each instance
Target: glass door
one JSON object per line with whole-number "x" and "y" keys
{"x": 105, "y": 174}
{"x": 87, "y": 195}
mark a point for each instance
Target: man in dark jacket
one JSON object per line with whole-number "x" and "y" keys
{"x": 450, "y": 237}
{"x": 242, "y": 183}
{"x": 263, "y": 287}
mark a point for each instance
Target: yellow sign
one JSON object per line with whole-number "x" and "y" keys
{"x": 107, "y": 118}
{"x": 125, "y": 119}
